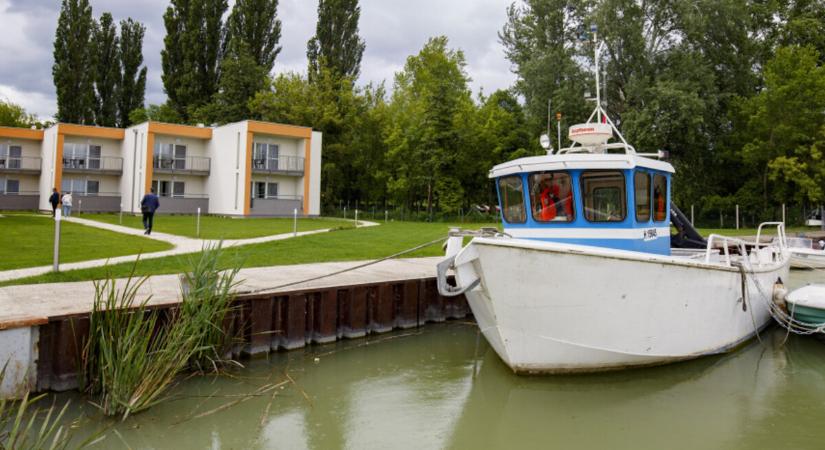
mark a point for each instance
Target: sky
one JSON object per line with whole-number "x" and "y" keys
{"x": 392, "y": 30}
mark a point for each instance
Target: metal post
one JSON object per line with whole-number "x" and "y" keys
{"x": 58, "y": 216}
{"x": 79, "y": 206}
{"x": 120, "y": 218}
{"x": 737, "y": 217}
{"x": 345, "y": 212}
{"x": 691, "y": 215}
{"x": 558, "y": 129}
{"x": 721, "y": 220}
{"x": 783, "y": 214}
{"x": 295, "y": 222}
{"x": 198, "y": 224}
{"x": 356, "y": 217}
{"x": 386, "y": 216}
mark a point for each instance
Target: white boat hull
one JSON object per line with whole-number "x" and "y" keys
{"x": 804, "y": 258}
{"x": 554, "y": 308}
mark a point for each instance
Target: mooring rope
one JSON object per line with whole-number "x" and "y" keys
{"x": 349, "y": 269}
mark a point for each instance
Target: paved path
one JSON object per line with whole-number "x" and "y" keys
{"x": 32, "y": 304}
{"x": 181, "y": 245}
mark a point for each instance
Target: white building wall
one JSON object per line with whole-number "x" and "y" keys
{"x": 108, "y": 147}
{"x": 315, "y": 174}
{"x": 134, "y": 167}
{"x": 28, "y": 148}
{"x": 194, "y": 147}
{"x": 226, "y": 185}
{"x": 48, "y": 152}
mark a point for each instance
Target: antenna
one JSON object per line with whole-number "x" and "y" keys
{"x": 596, "y": 47}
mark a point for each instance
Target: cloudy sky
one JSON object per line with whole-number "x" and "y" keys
{"x": 392, "y": 29}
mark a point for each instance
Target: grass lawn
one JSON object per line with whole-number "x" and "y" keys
{"x": 341, "y": 245}
{"x": 751, "y": 231}
{"x": 28, "y": 241}
{"x": 217, "y": 227}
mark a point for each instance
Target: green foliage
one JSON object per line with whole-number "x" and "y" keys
{"x": 12, "y": 115}
{"x": 191, "y": 55}
{"x": 132, "y": 89}
{"x": 106, "y": 70}
{"x": 336, "y": 44}
{"x": 241, "y": 79}
{"x": 255, "y": 23}
{"x": 157, "y": 113}
{"x": 73, "y": 71}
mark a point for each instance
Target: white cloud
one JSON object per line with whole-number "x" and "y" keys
{"x": 392, "y": 29}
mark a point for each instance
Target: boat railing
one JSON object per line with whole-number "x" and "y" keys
{"x": 742, "y": 244}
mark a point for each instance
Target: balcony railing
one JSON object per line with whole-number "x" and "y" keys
{"x": 23, "y": 193}
{"x": 105, "y": 164}
{"x": 197, "y": 165}
{"x": 282, "y": 165}
{"x": 20, "y": 164}
{"x": 163, "y": 195}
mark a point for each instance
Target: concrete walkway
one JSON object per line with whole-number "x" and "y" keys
{"x": 35, "y": 303}
{"x": 181, "y": 245}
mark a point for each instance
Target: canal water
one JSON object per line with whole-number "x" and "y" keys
{"x": 442, "y": 386}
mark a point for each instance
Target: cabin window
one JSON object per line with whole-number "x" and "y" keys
{"x": 659, "y": 198}
{"x": 512, "y": 199}
{"x": 641, "y": 184}
{"x": 552, "y": 197}
{"x": 604, "y": 196}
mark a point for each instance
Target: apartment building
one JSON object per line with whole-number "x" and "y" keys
{"x": 247, "y": 168}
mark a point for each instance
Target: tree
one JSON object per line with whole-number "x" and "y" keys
{"x": 241, "y": 78}
{"x": 336, "y": 43}
{"x": 12, "y": 115}
{"x": 132, "y": 89}
{"x": 157, "y": 113}
{"x": 256, "y": 24}
{"x": 73, "y": 69}
{"x": 192, "y": 52}
{"x": 106, "y": 70}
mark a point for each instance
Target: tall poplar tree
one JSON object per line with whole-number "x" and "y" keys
{"x": 192, "y": 52}
{"x": 133, "y": 78}
{"x": 336, "y": 44}
{"x": 106, "y": 53}
{"x": 256, "y": 24}
{"x": 73, "y": 70}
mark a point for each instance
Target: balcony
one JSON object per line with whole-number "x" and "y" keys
{"x": 106, "y": 165}
{"x": 184, "y": 204}
{"x": 20, "y": 164}
{"x": 19, "y": 200}
{"x": 190, "y": 165}
{"x": 96, "y": 202}
{"x": 282, "y": 205}
{"x": 283, "y": 165}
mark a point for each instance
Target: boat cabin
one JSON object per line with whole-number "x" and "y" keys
{"x": 618, "y": 201}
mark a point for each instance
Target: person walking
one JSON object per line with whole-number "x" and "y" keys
{"x": 67, "y": 204}
{"x": 54, "y": 199}
{"x": 148, "y": 205}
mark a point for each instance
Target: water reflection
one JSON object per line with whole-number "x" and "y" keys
{"x": 418, "y": 390}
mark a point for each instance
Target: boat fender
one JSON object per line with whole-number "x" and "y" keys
{"x": 779, "y": 294}
{"x": 444, "y": 288}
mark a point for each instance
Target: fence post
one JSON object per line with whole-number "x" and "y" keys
{"x": 356, "y": 217}
{"x": 737, "y": 217}
{"x": 198, "y": 224}
{"x": 345, "y": 212}
{"x": 79, "y": 206}
{"x": 783, "y": 214}
{"x": 386, "y": 215}
{"x": 691, "y": 215}
{"x": 295, "y": 222}
{"x": 58, "y": 216}
{"x": 120, "y": 218}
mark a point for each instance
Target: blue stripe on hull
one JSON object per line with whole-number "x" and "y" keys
{"x": 659, "y": 246}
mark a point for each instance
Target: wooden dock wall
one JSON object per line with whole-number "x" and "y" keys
{"x": 276, "y": 322}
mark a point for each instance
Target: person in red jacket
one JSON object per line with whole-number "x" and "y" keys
{"x": 548, "y": 197}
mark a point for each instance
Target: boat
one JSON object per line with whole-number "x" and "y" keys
{"x": 583, "y": 277}
{"x": 805, "y": 254}
{"x": 814, "y": 219}
{"x": 807, "y": 306}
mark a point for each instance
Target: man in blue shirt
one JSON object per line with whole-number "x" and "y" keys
{"x": 148, "y": 206}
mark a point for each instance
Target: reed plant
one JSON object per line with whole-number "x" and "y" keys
{"x": 134, "y": 353}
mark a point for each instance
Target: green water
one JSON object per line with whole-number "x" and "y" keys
{"x": 434, "y": 388}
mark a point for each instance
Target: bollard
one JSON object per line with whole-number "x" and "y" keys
{"x": 79, "y": 206}
{"x": 356, "y": 217}
{"x": 295, "y": 222}
{"x": 198, "y": 224}
{"x": 737, "y": 217}
{"x": 386, "y": 215}
{"x": 58, "y": 216}
{"x": 120, "y": 215}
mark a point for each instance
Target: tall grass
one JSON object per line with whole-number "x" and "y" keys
{"x": 134, "y": 353}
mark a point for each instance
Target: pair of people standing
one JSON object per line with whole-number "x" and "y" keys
{"x": 65, "y": 200}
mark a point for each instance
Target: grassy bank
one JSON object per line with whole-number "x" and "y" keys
{"x": 342, "y": 245}
{"x": 28, "y": 241}
{"x": 217, "y": 227}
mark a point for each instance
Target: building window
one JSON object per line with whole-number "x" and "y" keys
{"x": 659, "y": 198}
{"x": 178, "y": 189}
{"x": 262, "y": 189}
{"x": 170, "y": 156}
{"x": 10, "y": 156}
{"x": 265, "y": 156}
{"x": 552, "y": 197}
{"x": 604, "y": 196}
{"x": 641, "y": 182}
{"x": 80, "y": 186}
{"x": 271, "y": 190}
{"x": 512, "y": 199}
{"x": 94, "y": 157}
{"x": 8, "y": 186}
{"x": 166, "y": 188}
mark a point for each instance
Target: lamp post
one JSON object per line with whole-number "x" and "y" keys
{"x": 58, "y": 217}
